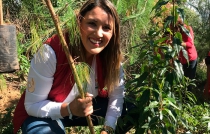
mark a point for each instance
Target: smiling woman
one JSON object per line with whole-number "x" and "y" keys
{"x": 50, "y": 102}
{"x": 96, "y": 30}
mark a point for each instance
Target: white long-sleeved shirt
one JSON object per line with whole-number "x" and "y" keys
{"x": 40, "y": 81}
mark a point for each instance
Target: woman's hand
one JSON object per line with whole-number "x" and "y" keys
{"x": 183, "y": 44}
{"x": 82, "y": 107}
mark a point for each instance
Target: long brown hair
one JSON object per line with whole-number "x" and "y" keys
{"x": 111, "y": 56}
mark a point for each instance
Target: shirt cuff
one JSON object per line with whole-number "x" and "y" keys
{"x": 55, "y": 111}
{"x": 110, "y": 121}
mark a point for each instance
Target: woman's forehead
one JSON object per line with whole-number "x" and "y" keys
{"x": 99, "y": 14}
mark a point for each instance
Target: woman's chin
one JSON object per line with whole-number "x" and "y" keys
{"x": 95, "y": 51}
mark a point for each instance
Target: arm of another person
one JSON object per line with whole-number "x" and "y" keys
{"x": 115, "y": 105}
{"x": 40, "y": 80}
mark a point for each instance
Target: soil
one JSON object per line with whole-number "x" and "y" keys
{"x": 9, "y": 92}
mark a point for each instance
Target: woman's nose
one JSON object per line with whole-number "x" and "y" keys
{"x": 99, "y": 32}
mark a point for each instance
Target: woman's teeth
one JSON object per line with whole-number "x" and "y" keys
{"x": 95, "y": 41}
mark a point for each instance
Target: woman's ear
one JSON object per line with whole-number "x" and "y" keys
{"x": 78, "y": 20}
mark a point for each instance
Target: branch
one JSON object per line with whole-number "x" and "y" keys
{"x": 69, "y": 58}
{"x": 1, "y": 13}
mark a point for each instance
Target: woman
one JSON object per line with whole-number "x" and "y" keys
{"x": 51, "y": 98}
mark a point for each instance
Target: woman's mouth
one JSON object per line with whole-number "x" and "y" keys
{"x": 95, "y": 42}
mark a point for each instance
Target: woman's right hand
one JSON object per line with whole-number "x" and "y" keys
{"x": 82, "y": 107}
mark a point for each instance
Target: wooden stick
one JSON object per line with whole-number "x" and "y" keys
{"x": 69, "y": 58}
{"x": 1, "y": 13}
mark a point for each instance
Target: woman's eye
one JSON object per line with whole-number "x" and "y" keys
{"x": 91, "y": 23}
{"x": 107, "y": 27}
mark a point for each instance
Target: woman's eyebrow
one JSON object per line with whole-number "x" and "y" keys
{"x": 95, "y": 20}
{"x": 92, "y": 19}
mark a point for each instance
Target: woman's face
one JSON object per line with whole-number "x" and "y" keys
{"x": 96, "y": 29}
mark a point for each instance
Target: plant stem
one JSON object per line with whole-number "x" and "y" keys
{"x": 1, "y": 13}
{"x": 174, "y": 18}
{"x": 69, "y": 58}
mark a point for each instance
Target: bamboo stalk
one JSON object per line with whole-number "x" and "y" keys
{"x": 69, "y": 58}
{"x": 1, "y": 13}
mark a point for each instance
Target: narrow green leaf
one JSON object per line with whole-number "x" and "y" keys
{"x": 153, "y": 104}
{"x": 171, "y": 102}
{"x": 164, "y": 130}
{"x": 178, "y": 70}
{"x": 146, "y": 125}
{"x": 170, "y": 113}
{"x": 159, "y": 4}
{"x": 161, "y": 115}
{"x": 168, "y": 21}
{"x": 142, "y": 78}
{"x": 178, "y": 37}
{"x": 161, "y": 40}
{"x": 184, "y": 29}
{"x": 145, "y": 97}
{"x": 163, "y": 71}
{"x": 153, "y": 121}
{"x": 185, "y": 54}
{"x": 170, "y": 78}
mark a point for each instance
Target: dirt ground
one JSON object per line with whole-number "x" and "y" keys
{"x": 9, "y": 92}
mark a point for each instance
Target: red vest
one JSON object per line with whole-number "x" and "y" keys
{"x": 62, "y": 83}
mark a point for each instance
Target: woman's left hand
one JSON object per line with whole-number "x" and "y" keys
{"x": 183, "y": 44}
{"x": 82, "y": 107}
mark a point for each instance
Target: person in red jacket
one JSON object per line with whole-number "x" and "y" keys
{"x": 190, "y": 65}
{"x": 188, "y": 44}
{"x": 50, "y": 102}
